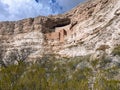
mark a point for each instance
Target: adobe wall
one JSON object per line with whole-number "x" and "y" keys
{"x": 52, "y": 36}
{"x": 60, "y": 34}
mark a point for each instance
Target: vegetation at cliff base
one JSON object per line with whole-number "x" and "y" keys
{"x": 56, "y": 74}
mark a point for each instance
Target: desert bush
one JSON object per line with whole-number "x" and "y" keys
{"x": 116, "y": 51}
{"x": 51, "y": 74}
{"x": 104, "y": 84}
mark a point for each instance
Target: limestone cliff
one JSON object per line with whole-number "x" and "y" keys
{"x": 89, "y": 28}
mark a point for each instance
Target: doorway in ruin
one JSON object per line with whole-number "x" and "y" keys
{"x": 64, "y": 32}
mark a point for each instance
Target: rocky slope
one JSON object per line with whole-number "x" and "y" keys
{"x": 90, "y": 28}
{"x": 99, "y": 29}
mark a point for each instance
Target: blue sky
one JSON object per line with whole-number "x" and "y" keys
{"x": 18, "y": 9}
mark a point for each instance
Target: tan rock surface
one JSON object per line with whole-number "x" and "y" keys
{"x": 82, "y": 30}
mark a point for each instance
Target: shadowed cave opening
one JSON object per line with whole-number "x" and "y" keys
{"x": 52, "y": 24}
{"x": 60, "y": 23}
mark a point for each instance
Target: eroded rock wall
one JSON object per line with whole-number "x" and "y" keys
{"x": 89, "y": 28}
{"x": 100, "y": 29}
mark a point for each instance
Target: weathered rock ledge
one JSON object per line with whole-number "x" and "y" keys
{"x": 91, "y": 27}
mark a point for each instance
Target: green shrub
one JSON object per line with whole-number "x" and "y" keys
{"x": 51, "y": 74}
{"x": 116, "y": 51}
{"x": 104, "y": 84}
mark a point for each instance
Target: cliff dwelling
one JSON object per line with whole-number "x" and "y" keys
{"x": 58, "y": 35}
{"x": 60, "y": 30}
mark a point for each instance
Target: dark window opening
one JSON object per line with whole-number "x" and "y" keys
{"x": 75, "y": 34}
{"x": 65, "y": 33}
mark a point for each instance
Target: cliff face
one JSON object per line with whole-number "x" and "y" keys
{"x": 91, "y": 27}
{"x": 97, "y": 28}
